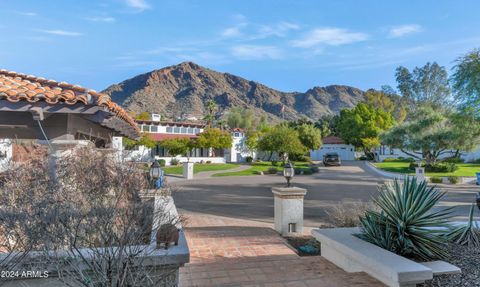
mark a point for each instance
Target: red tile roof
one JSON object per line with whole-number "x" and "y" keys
{"x": 16, "y": 87}
{"x": 332, "y": 140}
{"x": 160, "y": 137}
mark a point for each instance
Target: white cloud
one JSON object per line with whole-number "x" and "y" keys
{"x": 279, "y": 30}
{"x": 139, "y": 5}
{"x": 329, "y": 36}
{"x": 27, "y": 13}
{"x": 231, "y": 32}
{"x": 61, "y": 32}
{"x": 101, "y": 19}
{"x": 400, "y": 31}
{"x": 256, "y": 52}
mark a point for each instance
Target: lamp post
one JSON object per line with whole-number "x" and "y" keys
{"x": 288, "y": 172}
{"x": 156, "y": 175}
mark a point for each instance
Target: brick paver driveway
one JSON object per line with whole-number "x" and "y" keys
{"x": 232, "y": 252}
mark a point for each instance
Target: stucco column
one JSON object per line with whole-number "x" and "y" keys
{"x": 188, "y": 170}
{"x": 289, "y": 209}
{"x": 59, "y": 148}
{"x": 420, "y": 174}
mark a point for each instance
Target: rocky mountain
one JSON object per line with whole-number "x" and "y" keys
{"x": 183, "y": 90}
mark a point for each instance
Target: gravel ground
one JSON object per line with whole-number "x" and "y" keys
{"x": 468, "y": 259}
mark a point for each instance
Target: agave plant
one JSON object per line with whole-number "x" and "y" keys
{"x": 406, "y": 223}
{"x": 468, "y": 234}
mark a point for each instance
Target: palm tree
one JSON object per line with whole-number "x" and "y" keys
{"x": 211, "y": 108}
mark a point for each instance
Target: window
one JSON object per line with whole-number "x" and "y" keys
{"x": 237, "y": 135}
{"x": 153, "y": 129}
{"x": 183, "y": 130}
{"x": 169, "y": 130}
{"x": 176, "y": 130}
{"x": 145, "y": 128}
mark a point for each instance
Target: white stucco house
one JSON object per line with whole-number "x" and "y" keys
{"x": 333, "y": 144}
{"x": 161, "y": 130}
{"x": 239, "y": 151}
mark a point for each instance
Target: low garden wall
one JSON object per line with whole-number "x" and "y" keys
{"x": 163, "y": 264}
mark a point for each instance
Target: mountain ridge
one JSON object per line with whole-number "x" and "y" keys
{"x": 183, "y": 89}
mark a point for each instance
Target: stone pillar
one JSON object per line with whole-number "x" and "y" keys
{"x": 188, "y": 170}
{"x": 289, "y": 209}
{"x": 59, "y": 148}
{"x": 420, "y": 174}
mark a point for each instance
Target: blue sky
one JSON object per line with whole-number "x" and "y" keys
{"x": 288, "y": 45}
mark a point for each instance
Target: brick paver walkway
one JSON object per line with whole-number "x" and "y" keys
{"x": 231, "y": 252}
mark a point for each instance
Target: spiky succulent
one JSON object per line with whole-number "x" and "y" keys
{"x": 468, "y": 234}
{"x": 406, "y": 223}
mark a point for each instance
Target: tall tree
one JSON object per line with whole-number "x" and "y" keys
{"x": 281, "y": 139}
{"x": 214, "y": 138}
{"x": 241, "y": 118}
{"x": 387, "y": 101}
{"x": 326, "y": 125}
{"x": 211, "y": 107}
{"x": 466, "y": 79}
{"x": 362, "y": 125}
{"x": 425, "y": 85}
{"x": 309, "y": 136}
{"x": 430, "y": 133}
{"x": 179, "y": 146}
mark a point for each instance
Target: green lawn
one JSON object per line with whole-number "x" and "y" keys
{"x": 199, "y": 167}
{"x": 258, "y": 167}
{"x": 464, "y": 169}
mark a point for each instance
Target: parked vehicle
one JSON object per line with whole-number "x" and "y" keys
{"x": 330, "y": 159}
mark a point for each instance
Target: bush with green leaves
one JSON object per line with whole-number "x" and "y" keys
{"x": 453, "y": 160}
{"x": 436, "y": 179}
{"x": 468, "y": 234}
{"x": 399, "y": 159}
{"x": 272, "y": 170}
{"x": 162, "y": 162}
{"x": 405, "y": 223}
{"x": 453, "y": 179}
{"x": 249, "y": 159}
{"x": 174, "y": 161}
{"x": 441, "y": 167}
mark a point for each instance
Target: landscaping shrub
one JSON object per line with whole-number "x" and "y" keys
{"x": 272, "y": 170}
{"x": 412, "y": 165}
{"x": 298, "y": 170}
{"x": 436, "y": 179}
{"x": 307, "y": 171}
{"x": 406, "y": 224}
{"x": 347, "y": 214}
{"x": 454, "y": 160}
{"x": 314, "y": 169}
{"x": 274, "y": 163}
{"x": 208, "y": 162}
{"x": 299, "y": 157}
{"x": 400, "y": 159}
{"x": 453, "y": 179}
{"x": 162, "y": 162}
{"x": 249, "y": 159}
{"x": 441, "y": 167}
{"x": 174, "y": 161}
